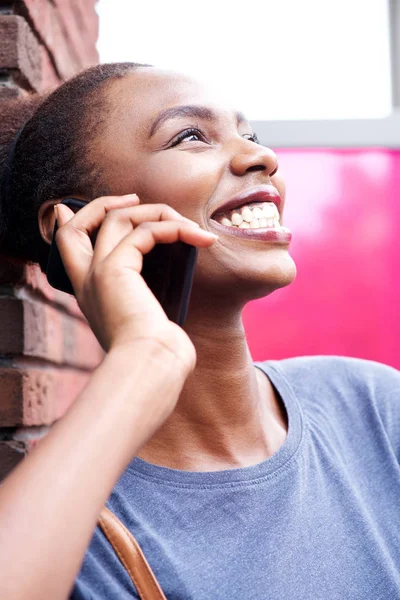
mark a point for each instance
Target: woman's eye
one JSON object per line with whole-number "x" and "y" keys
{"x": 252, "y": 137}
{"x": 189, "y": 135}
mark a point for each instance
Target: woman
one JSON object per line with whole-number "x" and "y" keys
{"x": 275, "y": 480}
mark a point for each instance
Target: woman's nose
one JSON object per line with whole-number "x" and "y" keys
{"x": 253, "y": 157}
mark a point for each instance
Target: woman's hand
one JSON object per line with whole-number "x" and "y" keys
{"x": 71, "y": 473}
{"x": 108, "y": 286}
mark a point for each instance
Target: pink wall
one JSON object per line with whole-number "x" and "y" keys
{"x": 343, "y": 207}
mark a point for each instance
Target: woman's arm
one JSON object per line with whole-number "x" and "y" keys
{"x": 50, "y": 504}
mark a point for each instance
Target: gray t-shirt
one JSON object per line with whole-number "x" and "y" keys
{"x": 319, "y": 520}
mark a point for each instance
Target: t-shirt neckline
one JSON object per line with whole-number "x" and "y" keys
{"x": 270, "y": 467}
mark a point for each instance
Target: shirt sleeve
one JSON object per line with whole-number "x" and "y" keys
{"x": 386, "y": 388}
{"x": 378, "y": 388}
{"x": 350, "y": 389}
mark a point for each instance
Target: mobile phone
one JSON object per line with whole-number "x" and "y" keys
{"x": 168, "y": 270}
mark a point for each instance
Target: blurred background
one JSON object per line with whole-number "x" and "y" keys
{"x": 320, "y": 82}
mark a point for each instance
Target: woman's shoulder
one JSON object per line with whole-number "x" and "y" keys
{"x": 342, "y": 377}
{"x": 339, "y": 371}
{"x": 345, "y": 389}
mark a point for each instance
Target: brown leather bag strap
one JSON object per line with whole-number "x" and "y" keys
{"x": 131, "y": 556}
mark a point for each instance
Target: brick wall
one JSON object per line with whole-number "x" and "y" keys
{"x": 46, "y": 349}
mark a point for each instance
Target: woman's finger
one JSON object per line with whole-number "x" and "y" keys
{"x": 89, "y": 218}
{"x": 119, "y": 223}
{"x": 73, "y": 235}
{"x": 129, "y": 252}
{"x": 63, "y": 214}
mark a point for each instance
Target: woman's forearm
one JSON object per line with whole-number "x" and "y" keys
{"x": 50, "y": 503}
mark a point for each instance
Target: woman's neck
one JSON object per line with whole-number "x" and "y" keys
{"x": 228, "y": 414}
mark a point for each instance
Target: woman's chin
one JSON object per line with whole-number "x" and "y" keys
{"x": 239, "y": 282}
{"x": 270, "y": 277}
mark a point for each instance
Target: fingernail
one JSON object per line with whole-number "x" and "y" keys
{"x": 131, "y": 196}
{"x": 63, "y": 214}
{"x": 59, "y": 216}
{"x": 214, "y": 235}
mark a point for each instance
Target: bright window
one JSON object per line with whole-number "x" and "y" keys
{"x": 278, "y": 59}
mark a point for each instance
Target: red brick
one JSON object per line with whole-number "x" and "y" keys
{"x": 49, "y": 393}
{"x": 59, "y": 28}
{"x": 43, "y": 333}
{"x": 80, "y": 346}
{"x": 13, "y": 271}
{"x": 79, "y": 21}
{"x": 37, "y": 396}
{"x": 16, "y": 272}
{"x": 58, "y": 337}
{"x": 19, "y": 51}
{"x": 37, "y": 281}
{"x": 11, "y": 397}
{"x": 50, "y": 78}
{"x": 38, "y": 330}
{"x": 46, "y": 347}
{"x": 84, "y": 16}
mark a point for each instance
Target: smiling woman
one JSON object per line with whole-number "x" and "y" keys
{"x": 238, "y": 480}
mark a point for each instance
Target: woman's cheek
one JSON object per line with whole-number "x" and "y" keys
{"x": 183, "y": 184}
{"x": 278, "y": 181}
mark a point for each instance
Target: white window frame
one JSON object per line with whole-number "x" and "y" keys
{"x": 344, "y": 133}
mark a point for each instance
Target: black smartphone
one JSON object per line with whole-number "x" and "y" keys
{"x": 168, "y": 270}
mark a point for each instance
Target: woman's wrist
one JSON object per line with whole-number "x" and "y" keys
{"x": 146, "y": 377}
{"x": 173, "y": 348}
{"x": 150, "y": 356}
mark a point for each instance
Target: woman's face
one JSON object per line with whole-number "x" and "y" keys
{"x": 168, "y": 140}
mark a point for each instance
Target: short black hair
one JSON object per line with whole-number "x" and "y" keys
{"x": 51, "y": 155}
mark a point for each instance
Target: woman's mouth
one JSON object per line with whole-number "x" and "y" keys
{"x": 251, "y": 216}
{"x": 255, "y": 220}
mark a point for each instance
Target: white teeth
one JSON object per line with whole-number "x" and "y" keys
{"x": 236, "y": 218}
{"x": 269, "y": 210}
{"x": 264, "y": 215}
{"x": 257, "y": 213}
{"x": 247, "y": 214}
{"x": 255, "y": 224}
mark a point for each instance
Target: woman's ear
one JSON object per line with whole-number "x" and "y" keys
{"x": 47, "y": 219}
